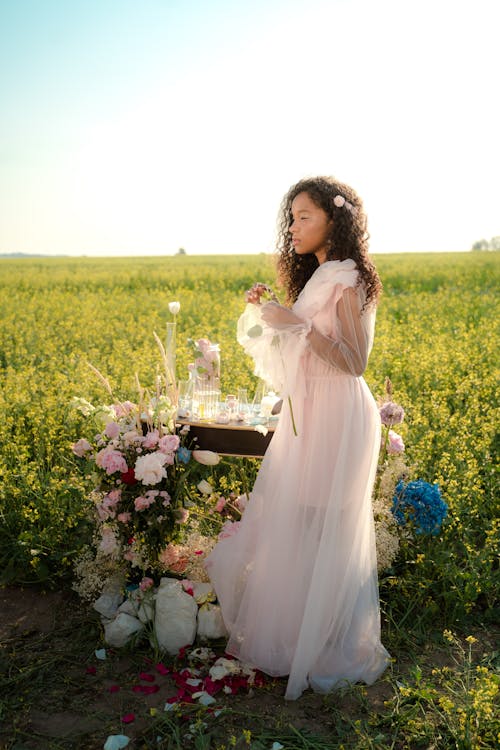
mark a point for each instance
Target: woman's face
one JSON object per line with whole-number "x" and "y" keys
{"x": 310, "y": 227}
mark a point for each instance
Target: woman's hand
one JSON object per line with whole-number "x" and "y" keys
{"x": 278, "y": 316}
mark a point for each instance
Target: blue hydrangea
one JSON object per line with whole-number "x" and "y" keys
{"x": 419, "y": 503}
{"x": 183, "y": 454}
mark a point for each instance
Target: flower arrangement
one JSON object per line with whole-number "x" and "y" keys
{"x": 206, "y": 365}
{"x": 399, "y": 507}
{"x": 146, "y": 479}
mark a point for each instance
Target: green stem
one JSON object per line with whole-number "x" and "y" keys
{"x": 293, "y": 418}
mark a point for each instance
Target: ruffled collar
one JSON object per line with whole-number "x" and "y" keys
{"x": 318, "y": 289}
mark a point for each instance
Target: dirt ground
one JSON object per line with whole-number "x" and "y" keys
{"x": 60, "y": 696}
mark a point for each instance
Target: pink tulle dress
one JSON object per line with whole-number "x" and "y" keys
{"x": 297, "y": 581}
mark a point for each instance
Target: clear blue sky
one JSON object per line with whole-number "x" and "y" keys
{"x": 140, "y": 127}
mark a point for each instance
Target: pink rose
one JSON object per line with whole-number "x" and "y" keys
{"x": 113, "y": 497}
{"x": 203, "y": 344}
{"x": 124, "y": 517}
{"x": 146, "y": 583}
{"x": 151, "y": 439}
{"x": 111, "y": 460}
{"x": 81, "y": 447}
{"x": 219, "y": 505}
{"x": 112, "y": 430}
{"x": 168, "y": 443}
{"x": 395, "y": 443}
{"x": 141, "y": 503}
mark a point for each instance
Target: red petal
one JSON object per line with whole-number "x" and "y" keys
{"x": 150, "y": 689}
{"x": 162, "y": 669}
{"x": 210, "y": 686}
{"x": 113, "y": 688}
{"x": 91, "y": 670}
{"x": 128, "y": 718}
{"x": 146, "y": 676}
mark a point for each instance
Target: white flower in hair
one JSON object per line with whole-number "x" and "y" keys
{"x": 339, "y": 201}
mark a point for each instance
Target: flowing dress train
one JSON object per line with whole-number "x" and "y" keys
{"x": 297, "y": 581}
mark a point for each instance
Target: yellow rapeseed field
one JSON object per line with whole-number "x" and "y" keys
{"x": 436, "y": 340}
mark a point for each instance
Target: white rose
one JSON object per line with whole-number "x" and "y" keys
{"x": 149, "y": 469}
{"x": 174, "y": 307}
{"x": 208, "y": 458}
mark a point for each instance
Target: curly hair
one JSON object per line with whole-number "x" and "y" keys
{"x": 348, "y": 238}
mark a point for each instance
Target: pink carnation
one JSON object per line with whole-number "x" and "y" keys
{"x": 391, "y": 413}
{"x": 111, "y": 460}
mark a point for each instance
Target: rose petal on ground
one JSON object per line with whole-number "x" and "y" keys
{"x": 128, "y": 718}
{"x": 146, "y": 676}
{"x": 116, "y": 742}
{"x": 113, "y": 688}
{"x": 204, "y": 698}
{"x": 162, "y": 669}
{"x": 91, "y": 670}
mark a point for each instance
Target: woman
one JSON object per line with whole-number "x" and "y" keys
{"x": 297, "y": 582}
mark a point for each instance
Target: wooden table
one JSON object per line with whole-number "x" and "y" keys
{"x": 233, "y": 439}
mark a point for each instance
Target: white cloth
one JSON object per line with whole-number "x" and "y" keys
{"x": 297, "y": 583}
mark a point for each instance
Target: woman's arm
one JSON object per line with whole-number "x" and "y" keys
{"x": 349, "y": 351}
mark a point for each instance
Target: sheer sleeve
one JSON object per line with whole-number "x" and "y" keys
{"x": 350, "y": 345}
